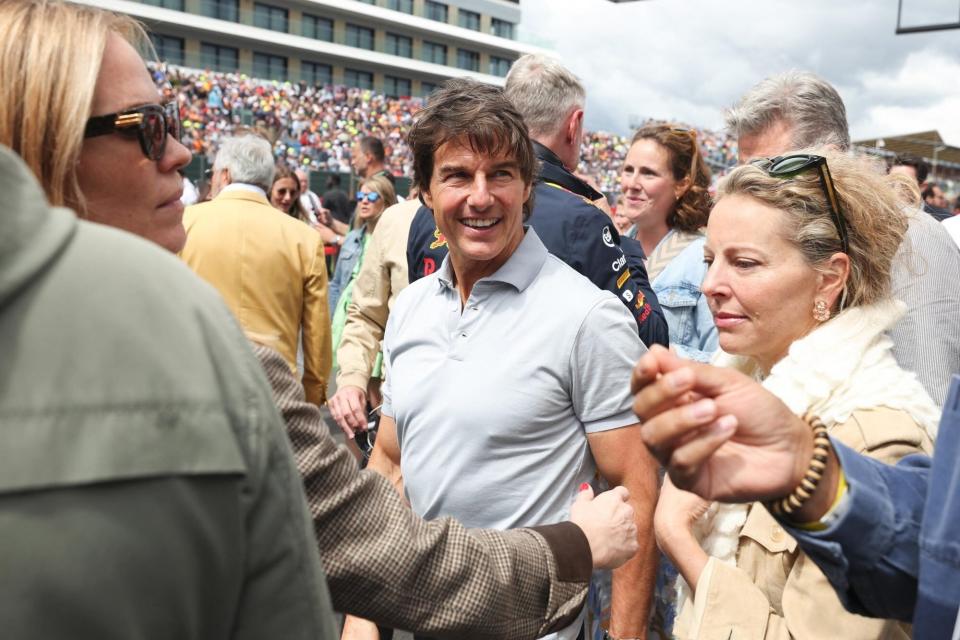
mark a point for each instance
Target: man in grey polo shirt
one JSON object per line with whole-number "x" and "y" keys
{"x": 507, "y": 384}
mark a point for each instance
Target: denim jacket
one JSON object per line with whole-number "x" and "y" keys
{"x": 894, "y": 550}
{"x": 692, "y": 331}
{"x": 347, "y": 259}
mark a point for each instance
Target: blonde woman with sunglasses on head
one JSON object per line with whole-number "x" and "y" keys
{"x": 799, "y": 249}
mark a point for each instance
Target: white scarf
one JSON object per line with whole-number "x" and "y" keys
{"x": 842, "y": 366}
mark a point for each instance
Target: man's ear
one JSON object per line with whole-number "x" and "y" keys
{"x": 426, "y": 198}
{"x": 574, "y": 125}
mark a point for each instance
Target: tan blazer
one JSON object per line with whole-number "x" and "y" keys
{"x": 270, "y": 270}
{"x": 382, "y": 276}
{"x": 775, "y": 591}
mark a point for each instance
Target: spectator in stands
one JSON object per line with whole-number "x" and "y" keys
{"x": 375, "y": 195}
{"x": 269, "y": 268}
{"x": 799, "y": 253}
{"x": 936, "y": 201}
{"x": 664, "y": 182}
{"x": 797, "y": 110}
{"x": 285, "y": 193}
{"x": 918, "y": 169}
{"x": 367, "y": 159}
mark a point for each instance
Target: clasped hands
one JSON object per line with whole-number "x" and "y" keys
{"x": 718, "y": 433}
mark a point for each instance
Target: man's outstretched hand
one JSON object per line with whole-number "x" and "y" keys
{"x": 607, "y": 522}
{"x": 719, "y": 433}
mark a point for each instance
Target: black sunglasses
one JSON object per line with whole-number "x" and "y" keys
{"x": 795, "y": 164}
{"x": 151, "y": 123}
{"x": 366, "y": 439}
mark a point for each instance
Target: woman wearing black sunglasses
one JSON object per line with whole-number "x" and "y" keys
{"x": 799, "y": 250}
{"x": 89, "y": 124}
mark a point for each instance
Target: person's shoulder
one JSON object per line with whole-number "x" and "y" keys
{"x": 554, "y": 200}
{"x": 138, "y": 268}
{"x": 578, "y": 291}
{"x": 397, "y": 218}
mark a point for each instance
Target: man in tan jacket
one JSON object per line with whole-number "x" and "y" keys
{"x": 382, "y": 277}
{"x": 268, "y": 267}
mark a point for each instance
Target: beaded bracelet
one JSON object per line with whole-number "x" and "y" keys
{"x": 803, "y": 491}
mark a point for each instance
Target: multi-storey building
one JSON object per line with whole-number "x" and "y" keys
{"x": 398, "y": 47}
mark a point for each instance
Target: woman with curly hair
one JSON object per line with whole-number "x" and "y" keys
{"x": 663, "y": 184}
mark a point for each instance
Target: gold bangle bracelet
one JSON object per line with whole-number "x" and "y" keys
{"x": 808, "y": 484}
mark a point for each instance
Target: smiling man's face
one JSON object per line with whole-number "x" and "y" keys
{"x": 477, "y": 200}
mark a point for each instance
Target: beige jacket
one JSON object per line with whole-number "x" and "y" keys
{"x": 382, "y": 276}
{"x": 775, "y": 591}
{"x": 270, "y": 270}
{"x": 385, "y": 563}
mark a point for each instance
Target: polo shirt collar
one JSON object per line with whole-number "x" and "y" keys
{"x": 519, "y": 270}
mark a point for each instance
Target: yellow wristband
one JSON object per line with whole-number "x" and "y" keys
{"x": 822, "y": 523}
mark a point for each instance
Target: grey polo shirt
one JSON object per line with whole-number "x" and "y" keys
{"x": 493, "y": 401}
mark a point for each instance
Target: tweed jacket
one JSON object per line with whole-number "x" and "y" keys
{"x": 382, "y": 276}
{"x": 270, "y": 270}
{"x": 436, "y": 578}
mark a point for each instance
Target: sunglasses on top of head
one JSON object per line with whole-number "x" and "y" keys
{"x": 151, "y": 124}
{"x": 371, "y": 197}
{"x": 793, "y": 165}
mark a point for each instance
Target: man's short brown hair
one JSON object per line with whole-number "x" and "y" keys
{"x": 480, "y": 117}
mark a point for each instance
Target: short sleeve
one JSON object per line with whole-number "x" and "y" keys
{"x": 604, "y": 353}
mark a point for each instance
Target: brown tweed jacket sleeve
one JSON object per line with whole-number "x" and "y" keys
{"x": 386, "y": 564}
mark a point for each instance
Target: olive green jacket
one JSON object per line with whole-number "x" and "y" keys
{"x": 147, "y": 489}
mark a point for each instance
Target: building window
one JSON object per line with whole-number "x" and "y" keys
{"x": 499, "y": 66}
{"x": 435, "y": 53}
{"x": 426, "y": 88}
{"x": 213, "y": 56}
{"x": 469, "y": 20}
{"x": 266, "y": 16}
{"x": 435, "y": 10}
{"x": 317, "y": 28}
{"x": 358, "y": 79}
{"x": 406, "y": 6}
{"x": 368, "y": 1}
{"x": 168, "y": 48}
{"x": 269, "y": 66}
{"x": 221, "y": 9}
{"x": 360, "y": 37}
{"x": 501, "y": 28}
{"x": 316, "y": 73}
{"x": 177, "y": 5}
{"x": 396, "y": 87}
{"x": 469, "y": 60}
{"x": 398, "y": 45}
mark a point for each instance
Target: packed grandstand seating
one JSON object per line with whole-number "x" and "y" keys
{"x": 314, "y": 127}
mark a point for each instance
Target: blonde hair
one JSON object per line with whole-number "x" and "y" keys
{"x": 870, "y": 205}
{"x": 50, "y": 55}
{"x": 384, "y": 187}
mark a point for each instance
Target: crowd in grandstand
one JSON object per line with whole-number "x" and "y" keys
{"x": 315, "y": 127}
